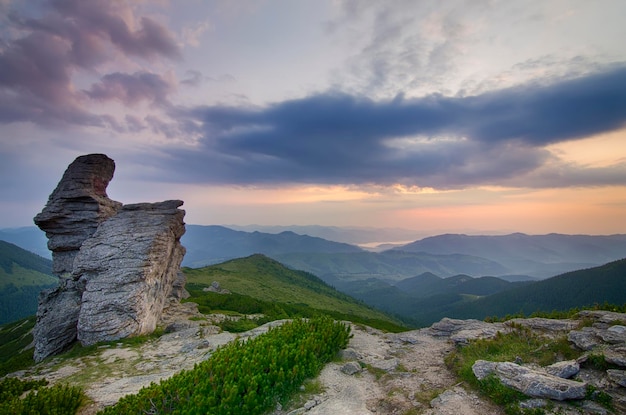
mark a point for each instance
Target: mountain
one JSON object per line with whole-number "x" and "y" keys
{"x": 388, "y": 265}
{"x": 428, "y": 284}
{"x": 30, "y": 238}
{"x": 426, "y": 298}
{"x": 211, "y": 244}
{"x": 267, "y": 281}
{"x": 359, "y": 235}
{"x": 22, "y": 276}
{"x": 586, "y": 287}
{"x": 535, "y": 255}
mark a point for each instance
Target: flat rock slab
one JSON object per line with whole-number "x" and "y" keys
{"x": 530, "y": 382}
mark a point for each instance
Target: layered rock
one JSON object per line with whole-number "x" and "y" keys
{"x": 531, "y": 382}
{"x": 119, "y": 266}
{"x": 76, "y": 208}
{"x": 129, "y": 266}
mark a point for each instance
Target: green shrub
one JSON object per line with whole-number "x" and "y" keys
{"x": 244, "y": 377}
{"x": 41, "y": 400}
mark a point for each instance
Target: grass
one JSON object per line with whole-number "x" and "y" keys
{"x": 236, "y": 304}
{"x": 14, "y": 339}
{"x": 20, "y": 277}
{"x": 309, "y": 388}
{"x": 263, "y": 281}
{"x": 519, "y": 343}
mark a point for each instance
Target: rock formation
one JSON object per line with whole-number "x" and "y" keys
{"x": 76, "y": 208}
{"x": 118, "y": 265}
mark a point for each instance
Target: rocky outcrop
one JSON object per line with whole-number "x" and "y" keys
{"x": 129, "y": 267}
{"x": 76, "y": 208}
{"x": 119, "y": 266}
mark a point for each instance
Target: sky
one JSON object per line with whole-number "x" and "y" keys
{"x": 458, "y": 116}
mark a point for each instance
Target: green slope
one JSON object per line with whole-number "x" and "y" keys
{"x": 264, "y": 279}
{"x": 583, "y": 288}
{"x": 23, "y": 275}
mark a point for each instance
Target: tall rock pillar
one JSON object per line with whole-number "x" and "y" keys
{"x": 74, "y": 211}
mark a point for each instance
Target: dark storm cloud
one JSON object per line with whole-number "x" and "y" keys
{"x": 37, "y": 65}
{"x": 432, "y": 141}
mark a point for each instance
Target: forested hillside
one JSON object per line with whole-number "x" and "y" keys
{"x": 606, "y": 283}
{"x": 22, "y": 276}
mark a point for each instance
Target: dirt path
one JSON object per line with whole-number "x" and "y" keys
{"x": 404, "y": 373}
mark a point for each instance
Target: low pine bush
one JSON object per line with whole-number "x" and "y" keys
{"x": 41, "y": 400}
{"x": 244, "y": 377}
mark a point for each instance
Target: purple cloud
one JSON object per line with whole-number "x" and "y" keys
{"x": 130, "y": 89}
{"x": 67, "y": 36}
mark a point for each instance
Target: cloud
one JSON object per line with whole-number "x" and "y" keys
{"x": 40, "y": 57}
{"x": 195, "y": 78}
{"x": 131, "y": 89}
{"x": 437, "y": 141}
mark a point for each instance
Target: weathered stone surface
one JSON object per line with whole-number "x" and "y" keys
{"x": 349, "y": 354}
{"x": 216, "y": 288}
{"x": 462, "y": 331}
{"x": 531, "y": 382}
{"x": 617, "y": 376}
{"x": 601, "y": 316}
{"x": 615, "y": 355}
{"x": 544, "y": 324}
{"x": 129, "y": 265}
{"x": 351, "y": 368}
{"x": 584, "y": 339}
{"x": 613, "y": 334}
{"x": 566, "y": 369}
{"x": 57, "y": 315}
{"x": 76, "y": 208}
{"x": 178, "y": 288}
{"x": 119, "y": 265}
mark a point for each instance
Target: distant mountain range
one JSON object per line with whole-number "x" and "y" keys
{"x": 536, "y": 255}
{"x": 445, "y": 275}
{"x": 351, "y": 235}
{"x": 212, "y": 244}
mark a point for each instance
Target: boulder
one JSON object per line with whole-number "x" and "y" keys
{"x": 462, "y": 331}
{"x": 351, "y": 368}
{"x": 530, "y": 382}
